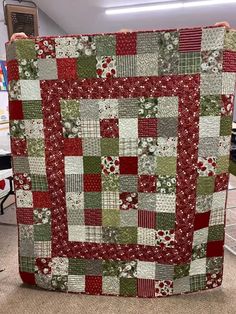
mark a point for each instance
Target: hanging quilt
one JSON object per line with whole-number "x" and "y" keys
{"x": 120, "y": 147}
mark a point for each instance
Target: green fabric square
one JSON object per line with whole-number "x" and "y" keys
{"x": 106, "y": 45}
{"x": 27, "y": 264}
{"x": 28, "y": 69}
{"x": 92, "y": 200}
{"x": 214, "y": 265}
{"x": 166, "y": 165}
{"x": 36, "y": 147}
{"x": 127, "y": 235}
{"x": 25, "y": 49}
{"x": 189, "y": 62}
{"x": 128, "y": 287}
{"x": 110, "y": 218}
{"x": 230, "y": 41}
{"x": 216, "y": 233}
{"x": 86, "y": 66}
{"x": 70, "y": 109}
{"x": 110, "y": 182}
{"x": 42, "y": 232}
{"x": 17, "y": 128}
{"x": 166, "y": 184}
{"x": 205, "y": 185}
{"x": 197, "y": 282}
{"x": 39, "y": 182}
{"x": 165, "y": 221}
{"x": 110, "y": 147}
{"x": 76, "y": 266}
{"x": 199, "y": 251}
{"x": 92, "y": 164}
{"x": 225, "y": 126}
{"x": 222, "y": 164}
{"x": 110, "y": 268}
{"x": 181, "y": 271}
{"x": 210, "y": 105}
{"x": 32, "y": 109}
{"x": 21, "y": 164}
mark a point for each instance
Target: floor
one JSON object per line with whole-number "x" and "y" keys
{"x": 16, "y": 297}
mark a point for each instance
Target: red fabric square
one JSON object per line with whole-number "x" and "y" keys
{"x": 147, "y": 184}
{"x": 18, "y": 147}
{"x": 146, "y": 219}
{"x": 41, "y": 199}
{"x": 12, "y": 70}
{"x": 146, "y": 288}
{"x": 92, "y": 183}
{"x": 215, "y": 248}
{"x": 201, "y": 220}
{"x": 128, "y": 165}
{"x": 93, "y": 284}
{"x": 221, "y": 182}
{"x": 227, "y": 105}
{"x": 27, "y": 278}
{"x": 229, "y": 61}
{"x": 147, "y": 127}
{"x": 109, "y": 128}
{"x": 126, "y": 43}
{"x": 190, "y": 39}
{"x": 128, "y": 200}
{"x": 21, "y": 180}
{"x": 93, "y": 217}
{"x": 15, "y": 110}
{"x": 66, "y": 68}
{"x": 45, "y": 48}
{"x": 25, "y": 216}
{"x": 73, "y": 147}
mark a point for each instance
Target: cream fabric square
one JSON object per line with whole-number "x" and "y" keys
{"x": 30, "y": 90}
{"x": 34, "y": 128}
{"x": 147, "y": 64}
{"x": 146, "y": 236}
{"x": 211, "y": 84}
{"x": 165, "y": 203}
{"x": 76, "y": 233}
{"x": 228, "y": 83}
{"x": 200, "y": 236}
{"x": 60, "y": 266}
{"x": 209, "y": 126}
{"x": 24, "y": 199}
{"x": 198, "y": 267}
{"x": 219, "y": 199}
{"x": 37, "y": 165}
{"x": 110, "y": 285}
{"x": 146, "y": 270}
{"x": 128, "y": 128}
{"x": 213, "y": 38}
{"x": 73, "y": 165}
{"x": 76, "y": 283}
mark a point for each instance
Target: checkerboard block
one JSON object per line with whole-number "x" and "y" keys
{"x": 120, "y": 148}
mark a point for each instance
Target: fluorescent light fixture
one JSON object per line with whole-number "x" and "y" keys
{"x": 165, "y": 6}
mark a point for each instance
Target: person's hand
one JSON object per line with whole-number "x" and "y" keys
{"x": 18, "y": 36}
{"x": 223, "y": 24}
{"x": 125, "y": 30}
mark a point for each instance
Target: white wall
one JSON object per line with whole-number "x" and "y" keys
{"x": 46, "y": 27}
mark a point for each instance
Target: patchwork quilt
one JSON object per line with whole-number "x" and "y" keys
{"x": 120, "y": 146}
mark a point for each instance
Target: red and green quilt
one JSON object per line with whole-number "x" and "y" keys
{"x": 120, "y": 146}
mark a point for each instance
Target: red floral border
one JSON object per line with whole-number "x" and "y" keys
{"x": 187, "y": 88}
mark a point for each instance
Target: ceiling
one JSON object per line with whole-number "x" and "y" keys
{"x": 88, "y": 16}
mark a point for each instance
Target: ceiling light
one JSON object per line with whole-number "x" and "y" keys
{"x": 165, "y": 6}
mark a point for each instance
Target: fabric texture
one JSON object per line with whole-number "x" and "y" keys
{"x": 120, "y": 147}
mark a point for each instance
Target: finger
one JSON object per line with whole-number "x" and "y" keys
{"x": 223, "y": 24}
